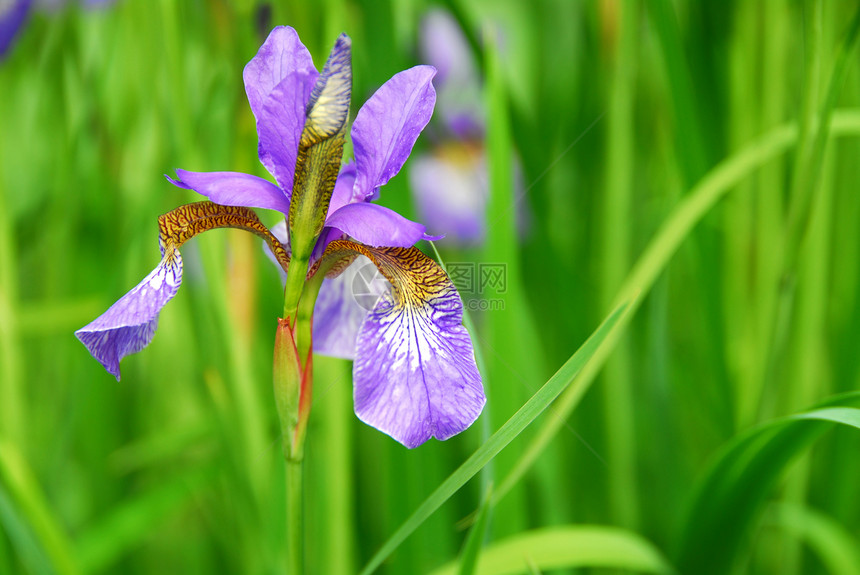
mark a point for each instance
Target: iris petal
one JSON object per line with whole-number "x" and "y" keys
{"x": 343, "y": 189}
{"x": 280, "y": 122}
{"x": 376, "y": 225}
{"x": 129, "y": 325}
{"x": 342, "y": 305}
{"x": 414, "y": 373}
{"x": 278, "y": 82}
{"x": 387, "y": 126}
{"x": 234, "y": 189}
{"x": 280, "y": 55}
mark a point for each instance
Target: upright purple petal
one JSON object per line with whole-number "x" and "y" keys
{"x": 129, "y": 325}
{"x": 12, "y": 18}
{"x": 414, "y": 374}
{"x": 387, "y": 126}
{"x": 451, "y": 194}
{"x": 278, "y": 82}
{"x": 280, "y": 122}
{"x": 280, "y": 55}
{"x": 376, "y": 225}
{"x": 342, "y": 305}
{"x": 234, "y": 189}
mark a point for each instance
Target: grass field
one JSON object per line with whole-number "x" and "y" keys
{"x": 688, "y": 178}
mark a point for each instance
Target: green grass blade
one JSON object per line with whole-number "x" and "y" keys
{"x": 515, "y": 365}
{"x": 18, "y": 481}
{"x": 837, "y": 548}
{"x": 724, "y": 177}
{"x": 19, "y": 544}
{"x": 12, "y": 412}
{"x": 568, "y": 547}
{"x": 811, "y": 156}
{"x": 615, "y": 241}
{"x": 730, "y": 496}
{"x": 510, "y": 430}
{"x": 472, "y": 547}
{"x": 693, "y": 153}
{"x": 484, "y": 422}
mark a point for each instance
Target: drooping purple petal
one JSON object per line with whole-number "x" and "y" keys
{"x": 280, "y": 55}
{"x": 342, "y": 305}
{"x": 376, "y": 225}
{"x": 451, "y": 194}
{"x": 129, "y": 325}
{"x": 387, "y": 126}
{"x": 415, "y": 375}
{"x": 12, "y": 18}
{"x": 234, "y": 189}
{"x": 280, "y": 121}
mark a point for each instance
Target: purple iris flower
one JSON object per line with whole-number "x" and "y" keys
{"x": 12, "y": 18}
{"x": 414, "y": 370}
{"x": 450, "y": 184}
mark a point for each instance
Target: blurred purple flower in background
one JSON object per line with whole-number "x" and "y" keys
{"x": 458, "y": 87}
{"x": 450, "y": 184}
{"x": 13, "y": 14}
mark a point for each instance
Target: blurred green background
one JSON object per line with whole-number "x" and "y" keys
{"x": 620, "y": 111}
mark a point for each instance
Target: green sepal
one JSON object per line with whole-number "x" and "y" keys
{"x": 320, "y": 149}
{"x": 287, "y": 382}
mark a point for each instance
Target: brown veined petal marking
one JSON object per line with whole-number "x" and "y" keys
{"x": 180, "y": 225}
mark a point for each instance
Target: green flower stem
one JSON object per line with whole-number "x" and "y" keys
{"x": 295, "y": 527}
{"x": 293, "y": 375}
{"x": 305, "y": 315}
{"x": 295, "y": 284}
